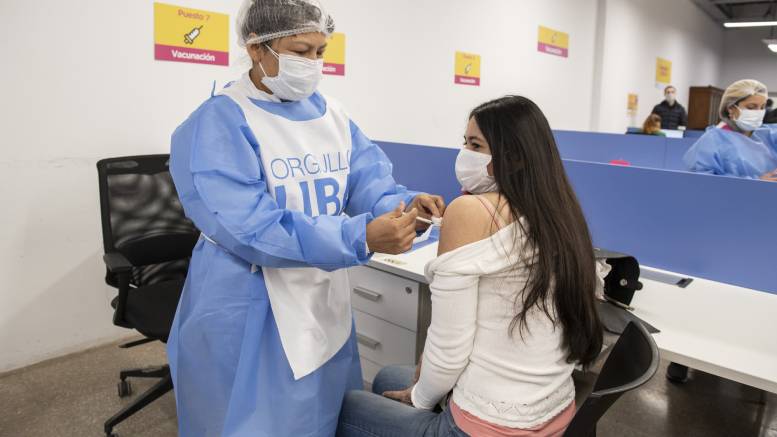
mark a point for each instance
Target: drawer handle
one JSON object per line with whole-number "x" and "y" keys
{"x": 367, "y": 341}
{"x": 367, "y": 294}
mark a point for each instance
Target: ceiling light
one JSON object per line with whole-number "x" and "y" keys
{"x": 750, "y": 24}
{"x": 772, "y": 44}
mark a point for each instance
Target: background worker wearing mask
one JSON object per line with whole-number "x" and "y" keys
{"x": 287, "y": 192}
{"x": 672, "y": 113}
{"x": 741, "y": 145}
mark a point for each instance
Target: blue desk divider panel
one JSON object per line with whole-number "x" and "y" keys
{"x": 714, "y": 227}
{"x": 638, "y": 150}
{"x": 693, "y": 133}
{"x": 675, "y": 151}
{"x": 424, "y": 168}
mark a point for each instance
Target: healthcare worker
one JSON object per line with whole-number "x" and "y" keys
{"x": 287, "y": 192}
{"x": 741, "y": 145}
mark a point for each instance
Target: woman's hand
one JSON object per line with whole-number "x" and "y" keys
{"x": 404, "y": 396}
{"x": 771, "y": 176}
{"x": 401, "y": 395}
{"x": 428, "y": 206}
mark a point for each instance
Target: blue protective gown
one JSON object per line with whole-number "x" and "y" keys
{"x": 229, "y": 369}
{"x": 729, "y": 153}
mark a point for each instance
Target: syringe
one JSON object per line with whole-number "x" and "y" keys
{"x": 435, "y": 221}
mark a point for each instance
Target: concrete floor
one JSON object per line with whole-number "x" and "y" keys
{"x": 73, "y": 395}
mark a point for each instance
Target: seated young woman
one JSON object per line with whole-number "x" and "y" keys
{"x": 513, "y": 296}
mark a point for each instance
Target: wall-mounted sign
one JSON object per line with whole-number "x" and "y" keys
{"x": 467, "y": 69}
{"x": 553, "y": 42}
{"x": 633, "y": 103}
{"x": 663, "y": 71}
{"x": 190, "y": 35}
{"x": 334, "y": 56}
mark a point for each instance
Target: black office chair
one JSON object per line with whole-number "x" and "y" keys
{"x": 148, "y": 242}
{"x": 632, "y": 362}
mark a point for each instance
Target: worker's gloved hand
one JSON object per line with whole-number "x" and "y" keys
{"x": 771, "y": 176}
{"x": 392, "y": 233}
{"x": 428, "y": 206}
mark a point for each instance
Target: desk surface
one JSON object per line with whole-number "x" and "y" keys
{"x": 718, "y": 328}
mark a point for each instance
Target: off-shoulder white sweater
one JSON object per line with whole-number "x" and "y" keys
{"x": 521, "y": 381}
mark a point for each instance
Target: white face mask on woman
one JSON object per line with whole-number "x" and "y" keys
{"x": 750, "y": 119}
{"x": 297, "y": 78}
{"x": 472, "y": 172}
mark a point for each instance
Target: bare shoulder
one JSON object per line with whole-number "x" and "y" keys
{"x": 465, "y": 221}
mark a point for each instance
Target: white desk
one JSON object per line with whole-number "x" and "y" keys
{"x": 718, "y": 328}
{"x": 392, "y": 309}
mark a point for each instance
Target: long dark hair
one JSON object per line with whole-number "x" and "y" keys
{"x": 530, "y": 175}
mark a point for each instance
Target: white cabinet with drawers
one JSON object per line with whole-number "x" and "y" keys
{"x": 388, "y": 311}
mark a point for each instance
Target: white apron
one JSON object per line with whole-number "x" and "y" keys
{"x": 306, "y": 166}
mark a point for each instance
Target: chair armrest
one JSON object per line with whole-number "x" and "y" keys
{"x": 120, "y": 266}
{"x": 116, "y": 262}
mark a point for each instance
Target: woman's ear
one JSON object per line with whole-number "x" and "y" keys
{"x": 256, "y": 52}
{"x": 733, "y": 112}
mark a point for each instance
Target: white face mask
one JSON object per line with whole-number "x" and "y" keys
{"x": 750, "y": 119}
{"x": 472, "y": 172}
{"x": 297, "y": 78}
{"x": 671, "y": 98}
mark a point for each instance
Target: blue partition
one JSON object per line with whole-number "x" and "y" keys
{"x": 675, "y": 150}
{"x": 693, "y": 133}
{"x": 712, "y": 227}
{"x": 638, "y": 150}
{"x": 424, "y": 168}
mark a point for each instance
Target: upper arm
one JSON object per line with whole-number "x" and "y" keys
{"x": 211, "y": 155}
{"x": 772, "y": 140}
{"x": 703, "y": 155}
{"x": 465, "y": 221}
{"x": 217, "y": 172}
{"x": 371, "y": 185}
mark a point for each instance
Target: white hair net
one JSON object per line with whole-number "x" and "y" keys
{"x": 738, "y": 91}
{"x": 263, "y": 20}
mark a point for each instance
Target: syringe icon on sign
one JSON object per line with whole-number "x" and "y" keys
{"x": 191, "y": 36}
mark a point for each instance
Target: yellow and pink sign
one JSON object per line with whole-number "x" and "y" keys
{"x": 467, "y": 69}
{"x": 663, "y": 71}
{"x": 190, "y": 35}
{"x": 553, "y": 42}
{"x": 633, "y": 103}
{"x": 334, "y": 56}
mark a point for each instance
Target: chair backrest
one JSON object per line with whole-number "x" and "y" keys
{"x": 632, "y": 362}
{"x": 634, "y": 131}
{"x": 143, "y": 219}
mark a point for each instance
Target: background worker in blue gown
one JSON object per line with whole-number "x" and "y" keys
{"x": 287, "y": 192}
{"x": 741, "y": 145}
